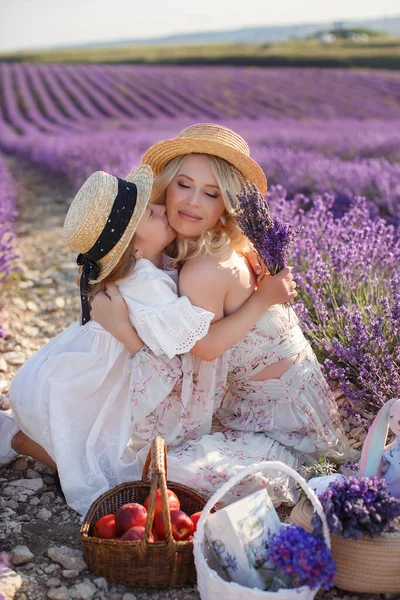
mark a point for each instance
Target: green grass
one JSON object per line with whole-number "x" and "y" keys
{"x": 378, "y": 52}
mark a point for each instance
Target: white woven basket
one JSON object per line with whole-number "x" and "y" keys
{"x": 213, "y": 587}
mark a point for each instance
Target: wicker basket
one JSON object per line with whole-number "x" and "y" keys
{"x": 369, "y": 565}
{"x": 143, "y": 564}
{"x": 210, "y": 584}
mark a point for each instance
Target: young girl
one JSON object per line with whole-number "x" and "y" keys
{"x": 275, "y": 388}
{"x": 72, "y": 398}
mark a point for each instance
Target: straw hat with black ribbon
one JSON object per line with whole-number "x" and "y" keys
{"x": 101, "y": 222}
{"x": 207, "y": 138}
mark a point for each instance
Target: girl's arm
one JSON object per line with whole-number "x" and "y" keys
{"x": 206, "y": 285}
{"x": 111, "y": 311}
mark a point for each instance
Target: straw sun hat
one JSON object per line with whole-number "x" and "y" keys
{"x": 91, "y": 210}
{"x": 207, "y": 138}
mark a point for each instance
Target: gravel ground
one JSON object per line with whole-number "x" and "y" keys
{"x": 38, "y": 531}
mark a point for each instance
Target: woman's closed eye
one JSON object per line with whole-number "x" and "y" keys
{"x": 182, "y": 185}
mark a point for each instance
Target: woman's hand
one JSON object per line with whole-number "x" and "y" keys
{"x": 277, "y": 289}
{"x": 256, "y": 265}
{"x": 111, "y": 312}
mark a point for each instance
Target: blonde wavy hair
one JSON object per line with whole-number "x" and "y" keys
{"x": 226, "y": 235}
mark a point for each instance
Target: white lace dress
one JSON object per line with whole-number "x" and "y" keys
{"x": 72, "y": 396}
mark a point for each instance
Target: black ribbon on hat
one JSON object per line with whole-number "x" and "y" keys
{"x": 117, "y": 222}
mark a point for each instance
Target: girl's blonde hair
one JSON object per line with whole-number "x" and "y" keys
{"x": 122, "y": 269}
{"x": 226, "y": 235}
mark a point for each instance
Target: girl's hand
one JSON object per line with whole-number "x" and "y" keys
{"x": 256, "y": 265}
{"x": 277, "y": 289}
{"x": 111, "y": 312}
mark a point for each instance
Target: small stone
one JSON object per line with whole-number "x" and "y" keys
{"x": 44, "y": 514}
{"x": 32, "y": 306}
{"x": 16, "y": 359}
{"x": 32, "y": 474}
{"x": 21, "y": 555}
{"x": 3, "y": 385}
{"x": 18, "y": 302}
{"x": 84, "y": 591}
{"x": 101, "y": 583}
{"x": 70, "y": 573}
{"x": 34, "y": 501}
{"x": 69, "y": 558}
{"x": 47, "y": 497}
{"x": 31, "y": 331}
{"x": 129, "y": 596}
{"x": 51, "y": 568}
{"x": 59, "y": 302}
{"x": 11, "y": 503}
{"x": 3, "y": 365}
{"x": 59, "y": 593}
{"x": 21, "y": 464}
{"x": 53, "y": 582}
{"x": 29, "y": 485}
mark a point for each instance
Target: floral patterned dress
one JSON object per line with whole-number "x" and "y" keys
{"x": 293, "y": 419}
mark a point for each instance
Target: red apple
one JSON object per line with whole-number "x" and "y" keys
{"x": 130, "y": 515}
{"x": 195, "y": 517}
{"x": 135, "y": 533}
{"x": 157, "y": 538}
{"x": 172, "y": 498}
{"x": 181, "y": 525}
{"x": 105, "y": 527}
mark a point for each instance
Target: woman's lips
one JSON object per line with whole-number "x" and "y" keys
{"x": 186, "y": 216}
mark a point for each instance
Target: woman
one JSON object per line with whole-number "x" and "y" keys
{"x": 276, "y": 403}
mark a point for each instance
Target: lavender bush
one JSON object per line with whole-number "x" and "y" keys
{"x": 8, "y": 255}
{"x": 348, "y": 273}
{"x": 357, "y": 507}
{"x": 303, "y": 557}
{"x": 327, "y": 136}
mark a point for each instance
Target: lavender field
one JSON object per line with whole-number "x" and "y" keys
{"x": 328, "y": 140}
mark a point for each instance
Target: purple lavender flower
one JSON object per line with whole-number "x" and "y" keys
{"x": 303, "y": 556}
{"x": 271, "y": 238}
{"x": 357, "y": 507}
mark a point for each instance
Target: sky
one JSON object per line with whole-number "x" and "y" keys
{"x": 26, "y": 24}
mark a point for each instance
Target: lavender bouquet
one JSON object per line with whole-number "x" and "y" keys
{"x": 301, "y": 559}
{"x": 357, "y": 507}
{"x": 271, "y": 237}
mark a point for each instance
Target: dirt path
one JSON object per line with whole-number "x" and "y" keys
{"x": 39, "y": 302}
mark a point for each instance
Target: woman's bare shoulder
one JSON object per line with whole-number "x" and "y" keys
{"x": 207, "y": 268}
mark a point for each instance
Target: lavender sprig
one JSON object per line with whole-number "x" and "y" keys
{"x": 357, "y": 507}
{"x": 271, "y": 238}
{"x": 303, "y": 556}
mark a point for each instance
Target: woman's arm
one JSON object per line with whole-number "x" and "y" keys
{"x": 111, "y": 311}
{"x": 206, "y": 285}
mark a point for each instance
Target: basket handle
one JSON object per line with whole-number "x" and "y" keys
{"x": 275, "y": 466}
{"x": 157, "y": 457}
{"x": 160, "y": 465}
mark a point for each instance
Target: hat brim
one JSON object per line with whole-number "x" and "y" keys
{"x": 159, "y": 155}
{"x": 142, "y": 177}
